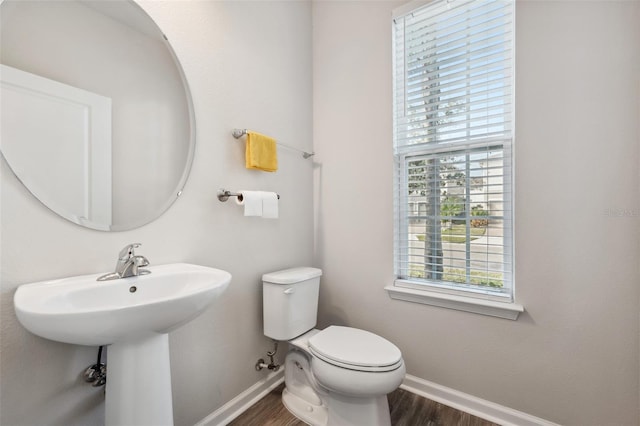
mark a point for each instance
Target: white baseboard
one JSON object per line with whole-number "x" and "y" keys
{"x": 478, "y": 407}
{"x": 238, "y": 405}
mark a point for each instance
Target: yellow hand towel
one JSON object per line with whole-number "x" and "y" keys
{"x": 261, "y": 152}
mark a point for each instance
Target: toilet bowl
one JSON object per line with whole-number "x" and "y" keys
{"x": 327, "y": 388}
{"x": 339, "y": 376}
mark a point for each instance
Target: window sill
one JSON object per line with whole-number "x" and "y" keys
{"x": 460, "y": 303}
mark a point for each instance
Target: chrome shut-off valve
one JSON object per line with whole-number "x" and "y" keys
{"x": 272, "y": 365}
{"x": 96, "y": 374}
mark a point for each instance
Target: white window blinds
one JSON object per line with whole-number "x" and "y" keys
{"x": 452, "y": 137}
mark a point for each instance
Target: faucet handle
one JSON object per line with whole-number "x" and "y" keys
{"x": 141, "y": 261}
{"x": 128, "y": 251}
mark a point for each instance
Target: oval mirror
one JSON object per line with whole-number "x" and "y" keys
{"x": 97, "y": 120}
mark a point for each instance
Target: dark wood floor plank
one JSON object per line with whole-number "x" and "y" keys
{"x": 269, "y": 411}
{"x": 406, "y": 408}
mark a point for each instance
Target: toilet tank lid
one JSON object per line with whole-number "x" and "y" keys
{"x": 292, "y": 276}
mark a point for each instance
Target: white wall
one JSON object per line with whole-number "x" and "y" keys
{"x": 573, "y": 357}
{"x": 248, "y": 65}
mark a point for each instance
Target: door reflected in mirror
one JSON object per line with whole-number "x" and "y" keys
{"x": 97, "y": 119}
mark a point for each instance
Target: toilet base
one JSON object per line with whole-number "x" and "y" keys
{"x": 348, "y": 411}
{"x": 317, "y": 406}
{"x": 315, "y": 415}
{"x": 341, "y": 412}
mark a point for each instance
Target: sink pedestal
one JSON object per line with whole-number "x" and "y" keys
{"x": 139, "y": 382}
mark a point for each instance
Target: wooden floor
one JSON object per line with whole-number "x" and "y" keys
{"x": 407, "y": 409}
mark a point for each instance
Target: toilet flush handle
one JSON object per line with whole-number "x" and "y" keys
{"x": 290, "y": 290}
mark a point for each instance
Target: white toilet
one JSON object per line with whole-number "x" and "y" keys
{"x": 339, "y": 376}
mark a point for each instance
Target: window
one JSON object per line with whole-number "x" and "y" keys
{"x": 453, "y": 131}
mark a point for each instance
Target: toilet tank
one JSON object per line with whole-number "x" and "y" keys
{"x": 290, "y": 302}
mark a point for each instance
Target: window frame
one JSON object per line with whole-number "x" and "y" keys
{"x": 470, "y": 298}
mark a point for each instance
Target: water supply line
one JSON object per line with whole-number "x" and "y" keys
{"x": 96, "y": 374}
{"x": 272, "y": 365}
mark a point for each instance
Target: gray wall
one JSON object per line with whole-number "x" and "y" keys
{"x": 572, "y": 358}
{"x": 248, "y": 65}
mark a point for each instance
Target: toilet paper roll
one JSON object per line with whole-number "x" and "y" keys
{"x": 270, "y": 205}
{"x": 252, "y": 202}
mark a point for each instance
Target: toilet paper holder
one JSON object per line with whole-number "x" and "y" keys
{"x": 223, "y": 195}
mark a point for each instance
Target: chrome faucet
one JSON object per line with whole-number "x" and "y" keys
{"x": 129, "y": 264}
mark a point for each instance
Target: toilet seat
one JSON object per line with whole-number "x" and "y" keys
{"x": 355, "y": 349}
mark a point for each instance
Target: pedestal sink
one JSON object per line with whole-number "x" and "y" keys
{"x": 133, "y": 315}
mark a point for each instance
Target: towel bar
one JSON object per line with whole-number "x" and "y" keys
{"x": 223, "y": 195}
{"x": 238, "y": 133}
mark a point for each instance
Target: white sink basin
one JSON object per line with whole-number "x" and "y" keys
{"x": 84, "y": 311}
{"x": 131, "y": 315}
